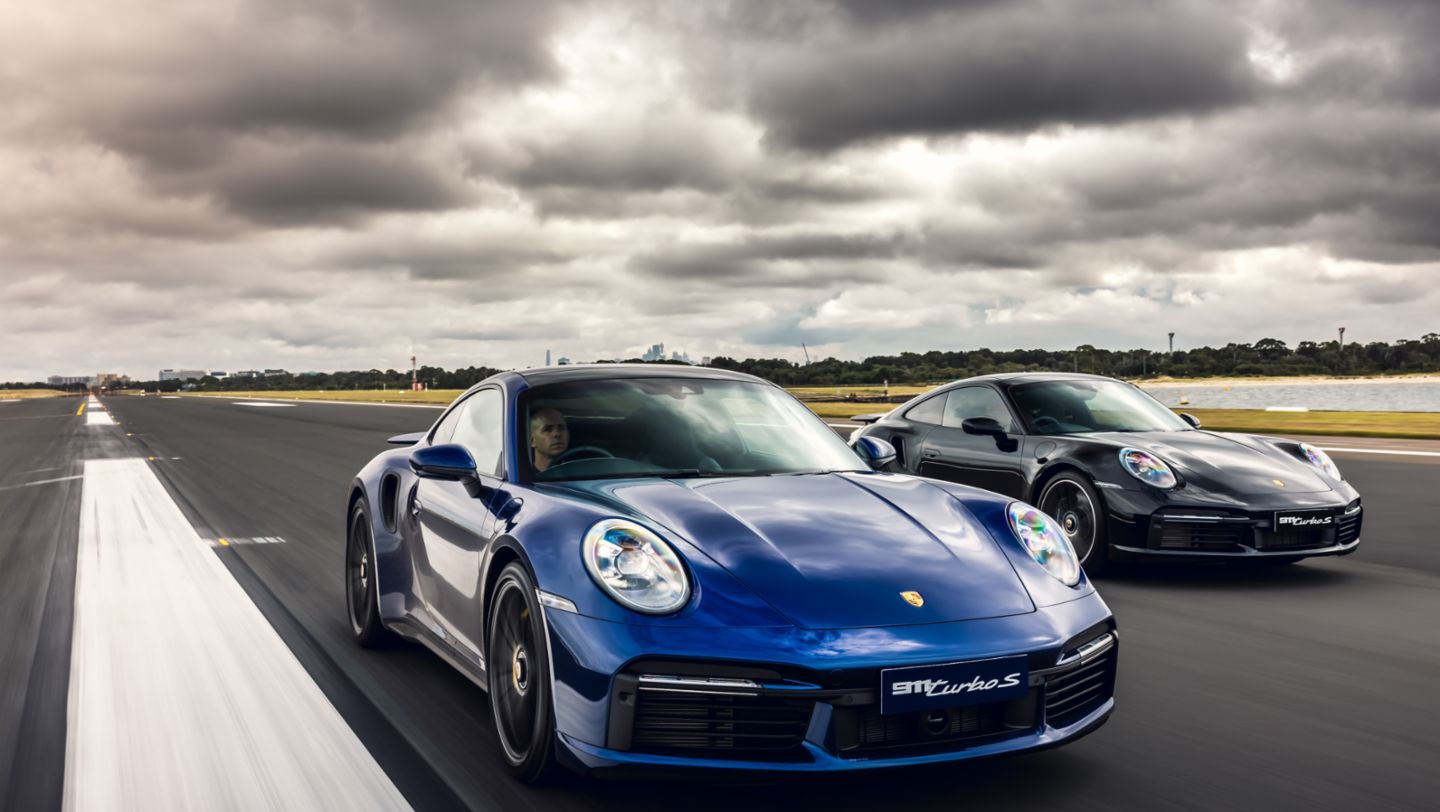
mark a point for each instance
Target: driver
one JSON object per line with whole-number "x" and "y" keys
{"x": 549, "y": 436}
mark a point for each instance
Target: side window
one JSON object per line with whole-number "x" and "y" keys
{"x": 481, "y": 430}
{"x": 927, "y": 411}
{"x": 976, "y": 401}
{"x": 446, "y": 429}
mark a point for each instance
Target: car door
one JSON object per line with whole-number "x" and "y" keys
{"x": 947, "y": 452}
{"x": 457, "y": 522}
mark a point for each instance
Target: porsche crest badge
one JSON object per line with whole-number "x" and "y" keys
{"x": 913, "y": 598}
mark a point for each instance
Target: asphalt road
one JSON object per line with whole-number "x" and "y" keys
{"x": 1308, "y": 687}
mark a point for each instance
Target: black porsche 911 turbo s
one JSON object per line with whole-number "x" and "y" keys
{"x": 1125, "y": 476}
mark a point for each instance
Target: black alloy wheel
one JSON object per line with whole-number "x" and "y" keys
{"x": 517, "y": 669}
{"x": 361, "y": 600}
{"x": 1073, "y": 503}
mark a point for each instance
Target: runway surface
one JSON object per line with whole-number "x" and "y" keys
{"x": 1309, "y": 687}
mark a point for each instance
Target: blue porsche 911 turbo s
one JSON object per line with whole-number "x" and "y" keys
{"x": 673, "y": 567}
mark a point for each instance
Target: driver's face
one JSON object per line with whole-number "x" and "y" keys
{"x": 548, "y": 433}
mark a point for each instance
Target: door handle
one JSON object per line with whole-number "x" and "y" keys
{"x": 930, "y": 455}
{"x": 415, "y": 506}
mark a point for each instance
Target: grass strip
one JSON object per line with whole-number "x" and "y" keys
{"x": 1413, "y": 425}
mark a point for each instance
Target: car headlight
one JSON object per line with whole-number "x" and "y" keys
{"x": 1045, "y": 542}
{"x": 1147, "y": 468}
{"x": 636, "y": 567}
{"x": 1320, "y": 460}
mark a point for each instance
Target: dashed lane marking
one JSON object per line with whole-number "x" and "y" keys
{"x": 228, "y": 542}
{"x": 182, "y": 695}
{"x": 40, "y": 482}
{"x": 80, "y": 410}
{"x": 263, "y": 403}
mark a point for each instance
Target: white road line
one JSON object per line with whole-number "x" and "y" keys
{"x": 270, "y": 404}
{"x": 1390, "y": 451}
{"x": 39, "y": 482}
{"x": 182, "y": 696}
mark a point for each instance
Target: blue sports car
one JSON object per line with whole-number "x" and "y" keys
{"x": 676, "y": 567}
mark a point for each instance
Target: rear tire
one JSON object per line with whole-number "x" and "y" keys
{"x": 517, "y": 669}
{"x": 361, "y": 600}
{"x": 1071, "y": 500}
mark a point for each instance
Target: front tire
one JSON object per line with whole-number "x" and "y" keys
{"x": 517, "y": 669}
{"x": 1071, "y": 500}
{"x": 361, "y": 600}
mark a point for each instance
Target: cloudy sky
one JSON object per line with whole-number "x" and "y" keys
{"x": 326, "y": 184}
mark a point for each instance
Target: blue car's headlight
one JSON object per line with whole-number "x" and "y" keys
{"x": 1045, "y": 543}
{"x": 636, "y": 567}
{"x": 1147, "y": 468}
{"x": 1320, "y": 460}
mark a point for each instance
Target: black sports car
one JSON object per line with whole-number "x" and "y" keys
{"x": 1125, "y": 476}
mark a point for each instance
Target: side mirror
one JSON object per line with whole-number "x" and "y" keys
{"x": 876, "y": 453}
{"x": 1191, "y": 419}
{"x": 449, "y": 461}
{"x": 989, "y": 427}
{"x": 986, "y": 426}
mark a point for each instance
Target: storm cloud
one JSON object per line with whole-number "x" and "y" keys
{"x": 335, "y": 184}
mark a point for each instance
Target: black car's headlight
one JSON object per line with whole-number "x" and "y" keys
{"x": 636, "y": 567}
{"x": 1147, "y": 468}
{"x": 1320, "y": 460}
{"x": 1046, "y": 544}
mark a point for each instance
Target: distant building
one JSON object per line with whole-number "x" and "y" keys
{"x": 547, "y": 358}
{"x": 182, "y": 374}
{"x": 218, "y": 374}
{"x": 705, "y": 362}
{"x": 248, "y": 374}
{"x": 69, "y": 380}
{"x": 655, "y": 353}
{"x": 110, "y": 380}
{"x": 270, "y": 373}
{"x": 680, "y": 356}
{"x": 563, "y": 361}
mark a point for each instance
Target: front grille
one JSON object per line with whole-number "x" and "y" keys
{"x": 1071, "y": 695}
{"x": 719, "y": 725}
{"x": 864, "y": 730}
{"x": 1294, "y": 539}
{"x": 1209, "y": 536}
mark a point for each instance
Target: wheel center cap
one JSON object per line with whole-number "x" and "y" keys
{"x": 1069, "y": 523}
{"x": 520, "y": 669}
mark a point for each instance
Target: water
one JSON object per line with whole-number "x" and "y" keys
{"x": 1381, "y": 396}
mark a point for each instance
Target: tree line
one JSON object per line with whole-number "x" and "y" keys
{"x": 1266, "y": 357}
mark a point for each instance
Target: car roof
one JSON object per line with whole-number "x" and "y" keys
{"x": 1008, "y": 379}
{"x": 601, "y": 372}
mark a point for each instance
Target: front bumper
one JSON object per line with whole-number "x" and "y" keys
{"x": 1140, "y": 527}
{"x": 812, "y": 703}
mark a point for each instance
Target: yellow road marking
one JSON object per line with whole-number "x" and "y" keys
{"x": 80, "y": 410}
{"x": 224, "y": 543}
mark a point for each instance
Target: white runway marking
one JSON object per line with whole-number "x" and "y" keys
{"x": 182, "y": 696}
{"x": 9, "y": 400}
{"x": 96, "y": 416}
{"x": 262, "y": 403}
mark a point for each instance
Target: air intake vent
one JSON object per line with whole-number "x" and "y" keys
{"x": 718, "y": 725}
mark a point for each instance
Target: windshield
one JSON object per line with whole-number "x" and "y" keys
{"x": 676, "y": 427}
{"x": 1074, "y": 407}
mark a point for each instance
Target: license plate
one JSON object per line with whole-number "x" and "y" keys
{"x": 1305, "y": 520}
{"x": 926, "y": 687}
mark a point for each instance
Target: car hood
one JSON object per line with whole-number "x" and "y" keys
{"x": 835, "y": 550}
{"x": 1235, "y": 464}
